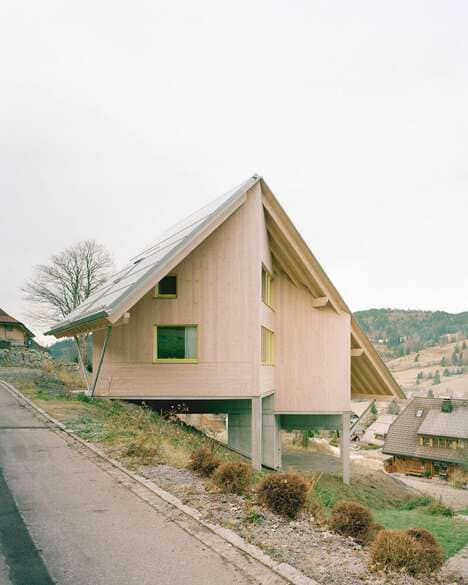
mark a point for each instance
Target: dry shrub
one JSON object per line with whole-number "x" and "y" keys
{"x": 70, "y": 378}
{"x": 47, "y": 366}
{"x": 203, "y": 461}
{"x": 371, "y": 535}
{"x": 233, "y": 477}
{"x": 439, "y": 509}
{"x": 316, "y": 510}
{"x": 422, "y": 535}
{"x": 397, "y": 550}
{"x": 352, "y": 519}
{"x": 458, "y": 477}
{"x": 142, "y": 449}
{"x": 283, "y": 493}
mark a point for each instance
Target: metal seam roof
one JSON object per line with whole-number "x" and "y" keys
{"x": 142, "y": 268}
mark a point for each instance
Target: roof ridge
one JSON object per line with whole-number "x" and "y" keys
{"x": 107, "y": 300}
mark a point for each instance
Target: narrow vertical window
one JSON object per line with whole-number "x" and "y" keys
{"x": 266, "y": 286}
{"x": 267, "y": 346}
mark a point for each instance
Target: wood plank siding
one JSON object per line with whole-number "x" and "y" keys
{"x": 219, "y": 290}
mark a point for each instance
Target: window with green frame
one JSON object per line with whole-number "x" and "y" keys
{"x": 167, "y": 287}
{"x": 176, "y": 343}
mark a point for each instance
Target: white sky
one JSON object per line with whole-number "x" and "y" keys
{"x": 117, "y": 118}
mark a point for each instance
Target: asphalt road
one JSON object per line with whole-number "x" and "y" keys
{"x": 65, "y": 521}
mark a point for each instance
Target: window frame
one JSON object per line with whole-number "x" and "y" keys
{"x": 158, "y": 295}
{"x": 267, "y": 337}
{"x": 158, "y": 360}
{"x": 267, "y": 299}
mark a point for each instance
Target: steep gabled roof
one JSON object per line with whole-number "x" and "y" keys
{"x": 6, "y": 319}
{"x": 416, "y": 418}
{"x": 107, "y": 304}
{"x": 369, "y": 375}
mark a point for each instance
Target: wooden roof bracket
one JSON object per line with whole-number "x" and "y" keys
{"x": 320, "y": 302}
{"x": 357, "y": 352}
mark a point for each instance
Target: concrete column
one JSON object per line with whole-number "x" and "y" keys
{"x": 344, "y": 445}
{"x": 271, "y": 440}
{"x": 239, "y": 431}
{"x": 256, "y": 433}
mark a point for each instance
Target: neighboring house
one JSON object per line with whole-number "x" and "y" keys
{"x": 13, "y": 332}
{"x": 376, "y": 433}
{"x": 229, "y": 312}
{"x": 430, "y": 437}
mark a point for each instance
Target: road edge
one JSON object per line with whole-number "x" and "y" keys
{"x": 287, "y": 572}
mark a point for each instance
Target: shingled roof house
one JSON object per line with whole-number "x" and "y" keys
{"x": 229, "y": 312}
{"x": 430, "y": 437}
{"x": 13, "y": 332}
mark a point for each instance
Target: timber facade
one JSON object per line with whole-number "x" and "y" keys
{"x": 229, "y": 312}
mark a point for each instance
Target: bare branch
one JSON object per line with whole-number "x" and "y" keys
{"x": 59, "y": 287}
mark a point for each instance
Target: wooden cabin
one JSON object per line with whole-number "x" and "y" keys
{"x": 13, "y": 332}
{"x": 230, "y": 312}
{"x": 429, "y": 438}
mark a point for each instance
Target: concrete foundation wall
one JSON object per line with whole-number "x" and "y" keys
{"x": 239, "y": 432}
{"x": 263, "y": 433}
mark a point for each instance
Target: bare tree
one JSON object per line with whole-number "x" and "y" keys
{"x": 70, "y": 277}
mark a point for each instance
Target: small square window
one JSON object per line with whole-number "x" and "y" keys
{"x": 167, "y": 287}
{"x": 176, "y": 343}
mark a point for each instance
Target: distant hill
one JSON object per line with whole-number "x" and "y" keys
{"x": 65, "y": 350}
{"x": 398, "y": 332}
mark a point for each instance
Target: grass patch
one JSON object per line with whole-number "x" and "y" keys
{"x": 130, "y": 432}
{"x": 376, "y": 490}
{"x": 450, "y": 533}
{"x": 395, "y": 507}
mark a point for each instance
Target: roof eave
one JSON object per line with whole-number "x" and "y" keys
{"x": 394, "y": 390}
{"x": 62, "y": 330}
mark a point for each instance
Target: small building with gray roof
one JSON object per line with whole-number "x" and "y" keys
{"x": 430, "y": 437}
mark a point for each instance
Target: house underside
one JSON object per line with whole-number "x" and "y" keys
{"x": 253, "y": 425}
{"x": 229, "y": 312}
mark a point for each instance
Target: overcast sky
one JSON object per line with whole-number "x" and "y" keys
{"x": 117, "y": 118}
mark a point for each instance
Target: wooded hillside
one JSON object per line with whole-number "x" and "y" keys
{"x": 404, "y": 331}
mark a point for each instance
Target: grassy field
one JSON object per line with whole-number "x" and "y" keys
{"x": 375, "y": 490}
{"x": 452, "y": 534}
{"x": 389, "y": 504}
{"x": 136, "y": 435}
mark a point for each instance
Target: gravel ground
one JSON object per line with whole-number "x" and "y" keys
{"x": 319, "y": 553}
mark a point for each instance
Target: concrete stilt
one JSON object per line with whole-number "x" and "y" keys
{"x": 344, "y": 445}
{"x": 256, "y": 433}
{"x": 271, "y": 439}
